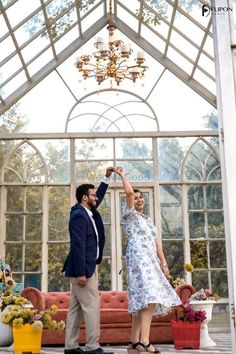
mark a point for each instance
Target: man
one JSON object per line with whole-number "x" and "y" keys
{"x": 87, "y": 238}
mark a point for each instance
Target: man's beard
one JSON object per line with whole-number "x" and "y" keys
{"x": 91, "y": 205}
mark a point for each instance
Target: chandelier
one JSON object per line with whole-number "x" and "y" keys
{"x": 111, "y": 60}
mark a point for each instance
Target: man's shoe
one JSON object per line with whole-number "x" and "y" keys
{"x": 73, "y": 351}
{"x": 97, "y": 351}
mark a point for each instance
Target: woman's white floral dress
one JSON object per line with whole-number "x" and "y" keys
{"x": 146, "y": 282}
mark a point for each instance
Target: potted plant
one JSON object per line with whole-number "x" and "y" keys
{"x": 7, "y": 297}
{"x": 186, "y": 330}
{"x": 27, "y": 325}
{"x": 204, "y": 299}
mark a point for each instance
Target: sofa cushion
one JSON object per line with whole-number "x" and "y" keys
{"x": 114, "y": 299}
{"x": 111, "y": 315}
{"x": 61, "y": 300}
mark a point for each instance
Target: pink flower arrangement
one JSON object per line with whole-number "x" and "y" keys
{"x": 205, "y": 294}
{"x": 189, "y": 315}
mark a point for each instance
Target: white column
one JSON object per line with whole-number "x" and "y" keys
{"x": 226, "y": 98}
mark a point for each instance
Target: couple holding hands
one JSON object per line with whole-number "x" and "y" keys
{"x": 149, "y": 292}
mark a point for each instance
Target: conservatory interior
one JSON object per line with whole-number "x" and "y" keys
{"x": 166, "y": 114}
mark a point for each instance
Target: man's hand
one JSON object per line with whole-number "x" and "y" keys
{"x": 109, "y": 171}
{"x": 82, "y": 281}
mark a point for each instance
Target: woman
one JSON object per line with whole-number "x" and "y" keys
{"x": 149, "y": 292}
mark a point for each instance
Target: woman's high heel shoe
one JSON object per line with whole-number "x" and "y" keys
{"x": 146, "y": 348}
{"x": 132, "y": 348}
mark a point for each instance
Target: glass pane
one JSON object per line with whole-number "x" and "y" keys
{"x": 57, "y": 254}
{"x": 104, "y": 274}
{"x": 105, "y": 209}
{"x": 56, "y": 154}
{"x": 33, "y": 228}
{"x": 195, "y": 197}
{"x": 179, "y": 60}
{"x": 197, "y": 225}
{"x": 219, "y": 280}
{"x": 33, "y": 257}
{"x": 29, "y": 29}
{"x": 207, "y": 64}
{"x": 174, "y": 254}
{"x": 138, "y": 171}
{"x": 27, "y": 165}
{"x": 198, "y": 251}
{"x": 200, "y": 280}
{"x": 37, "y": 64}
{"x": 14, "y": 227}
{"x": 107, "y": 247}
{"x": 15, "y": 198}
{"x": 108, "y": 112}
{"x": 217, "y": 254}
{"x": 183, "y": 45}
{"x": 14, "y": 256}
{"x": 156, "y": 41}
{"x": 170, "y": 156}
{"x": 6, "y": 47}
{"x": 87, "y": 172}
{"x": 216, "y": 224}
{"x": 171, "y": 212}
{"x": 17, "y": 277}
{"x": 134, "y": 148}
{"x": 11, "y": 66}
{"x": 20, "y": 10}
{"x": 201, "y": 162}
{"x": 34, "y": 199}
{"x": 59, "y": 207}
{"x": 94, "y": 149}
{"x": 186, "y": 26}
{"x": 214, "y": 197}
{"x": 33, "y": 280}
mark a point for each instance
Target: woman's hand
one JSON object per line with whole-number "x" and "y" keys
{"x": 166, "y": 271}
{"x": 120, "y": 171}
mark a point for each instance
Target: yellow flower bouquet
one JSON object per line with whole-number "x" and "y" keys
{"x": 18, "y": 316}
{"x": 9, "y": 298}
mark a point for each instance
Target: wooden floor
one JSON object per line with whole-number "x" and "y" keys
{"x": 222, "y": 340}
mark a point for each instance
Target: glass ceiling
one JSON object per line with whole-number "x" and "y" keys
{"x": 37, "y": 36}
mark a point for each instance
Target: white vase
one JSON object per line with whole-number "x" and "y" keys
{"x": 6, "y": 336}
{"x": 207, "y": 306}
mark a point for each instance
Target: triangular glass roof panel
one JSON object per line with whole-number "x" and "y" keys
{"x": 38, "y": 36}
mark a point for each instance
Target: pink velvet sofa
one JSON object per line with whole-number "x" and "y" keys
{"x": 115, "y": 320}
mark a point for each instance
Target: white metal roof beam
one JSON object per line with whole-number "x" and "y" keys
{"x": 53, "y": 64}
{"x": 170, "y": 65}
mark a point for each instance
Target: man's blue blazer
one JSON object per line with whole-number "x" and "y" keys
{"x": 82, "y": 257}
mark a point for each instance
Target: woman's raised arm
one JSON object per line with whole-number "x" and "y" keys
{"x": 129, "y": 192}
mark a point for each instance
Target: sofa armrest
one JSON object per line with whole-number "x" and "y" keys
{"x": 35, "y": 296}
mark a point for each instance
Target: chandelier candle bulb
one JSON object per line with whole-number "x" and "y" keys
{"x": 140, "y": 55}
{"x": 99, "y": 40}
{"x": 124, "y": 48}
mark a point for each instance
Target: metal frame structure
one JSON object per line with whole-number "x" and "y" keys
{"x": 98, "y": 16}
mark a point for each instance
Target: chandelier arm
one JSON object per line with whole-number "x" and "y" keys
{"x": 111, "y": 60}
